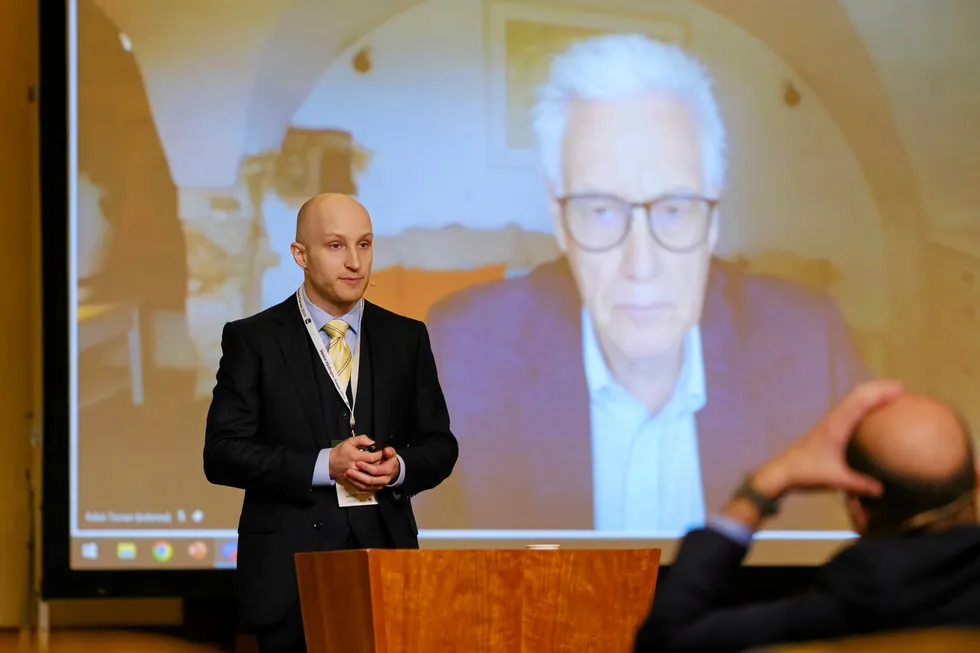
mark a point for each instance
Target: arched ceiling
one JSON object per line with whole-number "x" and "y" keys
{"x": 909, "y": 99}
{"x": 309, "y": 36}
{"x": 928, "y": 59}
{"x": 198, "y": 59}
{"x": 821, "y": 42}
{"x": 899, "y": 134}
{"x": 214, "y": 70}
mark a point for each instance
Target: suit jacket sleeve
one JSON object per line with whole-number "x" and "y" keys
{"x": 686, "y": 613}
{"x": 431, "y": 450}
{"x": 233, "y": 454}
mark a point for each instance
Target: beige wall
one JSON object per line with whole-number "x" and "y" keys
{"x": 19, "y": 337}
{"x": 18, "y": 70}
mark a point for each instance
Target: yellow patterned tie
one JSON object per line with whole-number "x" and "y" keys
{"x": 338, "y": 350}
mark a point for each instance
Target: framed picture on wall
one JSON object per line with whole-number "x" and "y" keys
{"x": 522, "y": 41}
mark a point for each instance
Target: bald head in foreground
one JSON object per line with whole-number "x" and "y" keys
{"x": 905, "y": 466}
{"x": 328, "y": 412}
{"x": 920, "y": 452}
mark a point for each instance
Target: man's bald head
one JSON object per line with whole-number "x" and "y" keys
{"x": 328, "y": 212}
{"x": 334, "y": 247}
{"x": 915, "y": 435}
{"x": 921, "y": 452}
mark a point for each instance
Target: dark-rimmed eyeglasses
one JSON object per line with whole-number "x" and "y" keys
{"x": 597, "y": 222}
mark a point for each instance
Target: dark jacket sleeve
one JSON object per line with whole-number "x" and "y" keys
{"x": 432, "y": 448}
{"x": 686, "y": 613}
{"x": 233, "y": 454}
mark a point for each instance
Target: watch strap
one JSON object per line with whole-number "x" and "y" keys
{"x": 767, "y": 506}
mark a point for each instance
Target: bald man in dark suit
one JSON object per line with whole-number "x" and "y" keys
{"x": 302, "y": 389}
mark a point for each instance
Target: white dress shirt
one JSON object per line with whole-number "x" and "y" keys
{"x": 645, "y": 468}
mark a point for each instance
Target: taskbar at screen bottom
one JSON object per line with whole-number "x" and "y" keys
{"x": 142, "y": 553}
{"x": 218, "y": 549}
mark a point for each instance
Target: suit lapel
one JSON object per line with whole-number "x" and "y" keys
{"x": 732, "y": 428}
{"x": 561, "y": 470}
{"x": 371, "y": 367}
{"x": 730, "y": 439}
{"x": 300, "y": 358}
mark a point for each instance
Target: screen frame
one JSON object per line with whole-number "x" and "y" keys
{"x": 59, "y": 580}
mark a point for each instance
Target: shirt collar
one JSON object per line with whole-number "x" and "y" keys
{"x": 321, "y": 317}
{"x": 690, "y": 393}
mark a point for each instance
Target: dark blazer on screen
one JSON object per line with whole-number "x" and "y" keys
{"x": 777, "y": 356}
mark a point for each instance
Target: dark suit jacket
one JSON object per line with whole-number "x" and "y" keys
{"x": 268, "y": 421}
{"x": 776, "y": 357}
{"x": 876, "y": 585}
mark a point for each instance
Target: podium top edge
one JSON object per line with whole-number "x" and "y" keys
{"x": 521, "y": 549}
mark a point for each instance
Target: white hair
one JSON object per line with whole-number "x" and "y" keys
{"x": 620, "y": 66}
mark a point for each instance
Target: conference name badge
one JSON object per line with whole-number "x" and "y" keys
{"x": 348, "y": 500}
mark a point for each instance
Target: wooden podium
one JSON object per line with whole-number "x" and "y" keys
{"x": 496, "y": 601}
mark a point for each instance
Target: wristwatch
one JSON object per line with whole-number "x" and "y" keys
{"x": 767, "y": 506}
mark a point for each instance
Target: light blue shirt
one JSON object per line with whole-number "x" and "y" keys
{"x": 734, "y": 530}
{"x": 321, "y": 471}
{"x": 646, "y": 469}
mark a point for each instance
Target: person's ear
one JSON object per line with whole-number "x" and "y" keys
{"x": 299, "y": 254}
{"x": 554, "y": 207}
{"x": 713, "y": 230}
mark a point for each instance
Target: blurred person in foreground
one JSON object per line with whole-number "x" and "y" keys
{"x": 329, "y": 414}
{"x": 906, "y": 467}
{"x": 645, "y": 375}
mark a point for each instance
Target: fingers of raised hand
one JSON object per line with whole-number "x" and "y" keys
{"x": 859, "y": 402}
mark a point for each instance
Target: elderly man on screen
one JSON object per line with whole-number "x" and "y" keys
{"x": 630, "y": 383}
{"x": 906, "y": 466}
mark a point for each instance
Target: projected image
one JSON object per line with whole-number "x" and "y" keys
{"x": 632, "y": 300}
{"x": 650, "y": 368}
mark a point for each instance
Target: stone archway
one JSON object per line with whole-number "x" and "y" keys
{"x": 802, "y": 34}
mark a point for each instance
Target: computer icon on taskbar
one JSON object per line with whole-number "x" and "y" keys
{"x": 162, "y": 551}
